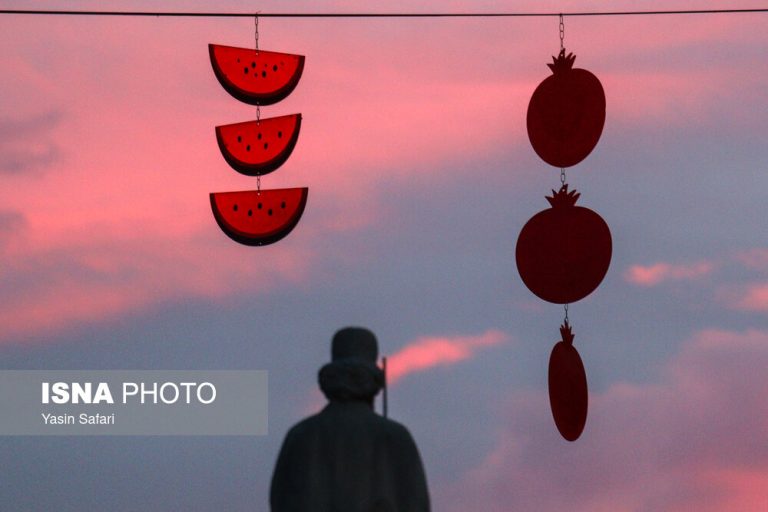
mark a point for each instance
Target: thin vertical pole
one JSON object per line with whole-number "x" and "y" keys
{"x": 384, "y": 393}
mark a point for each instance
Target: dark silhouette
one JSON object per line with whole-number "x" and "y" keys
{"x": 566, "y": 113}
{"x": 347, "y": 458}
{"x": 564, "y": 252}
{"x": 568, "y": 395}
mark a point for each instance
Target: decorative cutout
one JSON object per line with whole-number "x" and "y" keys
{"x": 255, "y": 148}
{"x": 258, "y": 218}
{"x": 568, "y": 395}
{"x": 564, "y": 252}
{"x": 256, "y": 77}
{"x": 566, "y": 113}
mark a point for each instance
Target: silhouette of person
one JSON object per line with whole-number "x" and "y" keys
{"x": 347, "y": 458}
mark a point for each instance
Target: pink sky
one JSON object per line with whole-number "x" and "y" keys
{"x": 107, "y": 156}
{"x": 402, "y": 131}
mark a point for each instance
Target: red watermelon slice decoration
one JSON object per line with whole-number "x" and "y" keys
{"x": 568, "y": 394}
{"x": 259, "y": 147}
{"x": 563, "y": 253}
{"x": 258, "y": 218}
{"x": 256, "y": 77}
{"x": 566, "y": 113}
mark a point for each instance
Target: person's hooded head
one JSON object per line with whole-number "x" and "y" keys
{"x": 352, "y": 373}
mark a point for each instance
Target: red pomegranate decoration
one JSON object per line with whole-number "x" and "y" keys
{"x": 566, "y": 113}
{"x": 563, "y": 253}
{"x": 568, "y": 396}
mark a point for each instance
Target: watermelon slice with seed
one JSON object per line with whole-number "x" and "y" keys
{"x": 251, "y": 217}
{"x": 256, "y": 77}
{"x": 256, "y": 148}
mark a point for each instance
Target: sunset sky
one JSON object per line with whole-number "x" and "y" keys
{"x": 420, "y": 173}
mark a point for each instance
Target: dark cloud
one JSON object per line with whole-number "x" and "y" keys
{"x": 12, "y": 223}
{"x": 26, "y": 144}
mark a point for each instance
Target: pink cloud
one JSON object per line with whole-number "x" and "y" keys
{"x": 429, "y": 352}
{"x": 754, "y": 259}
{"x": 751, "y": 297}
{"x": 694, "y": 440}
{"x": 101, "y": 276}
{"x": 652, "y": 275}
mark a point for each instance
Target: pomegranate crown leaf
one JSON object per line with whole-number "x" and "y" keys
{"x": 561, "y": 62}
{"x": 563, "y": 198}
{"x": 565, "y": 332}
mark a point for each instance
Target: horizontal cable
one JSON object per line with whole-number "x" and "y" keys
{"x": 214, "y": 14}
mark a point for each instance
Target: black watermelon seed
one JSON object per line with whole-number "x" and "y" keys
{"x": 245, "y": 70}
{"x": 279, "y": 135}
{"x": 253, "y": 64}
{"x": 259, "y": 206}
{"x": 250, "y": 213}
{"x": 264, "y": 74}
{"x": 239, "y": 139}
{"x": 248, "y": 147}
{"x": 269, "y": 212}
{"x": 274, "y": 68}
{"x": 259, "y": 136}
{"x": 266, "y": 144}
{"x": 282, "y": 205}
{"x": 234, "y": 207}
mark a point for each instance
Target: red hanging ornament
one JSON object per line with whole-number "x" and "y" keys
{"x": 568, "y": 395}
{"x": 566, "y": 113}
{"x": 563, "y": 252}
{"x": 256, "y": 77}
{"x": 258, "y": 218}
{"x": 255, "y": 148}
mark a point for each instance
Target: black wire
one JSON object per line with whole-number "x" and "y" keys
{"x": 374, "y": 15}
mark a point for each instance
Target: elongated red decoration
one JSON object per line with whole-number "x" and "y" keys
{"x": 566, "y": 113}
{"x": 255, "y": 148}
{"x": 258, "y": 218}
{"x": 256, "y": 77}
{"x": 568, "y": 394}
{"x": 563, "y": 252}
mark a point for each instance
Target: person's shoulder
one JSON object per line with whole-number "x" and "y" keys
{"x": 303, "y": 427}
{"x": 394, "y": 429}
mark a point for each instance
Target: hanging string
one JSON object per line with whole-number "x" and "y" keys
{"x": 561, "y": 29}
{"x": 218, "y": 14}
{"x": 256, "y": 47}
{"x": 256, "y": 32}
{"x": 258, "y": 107}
